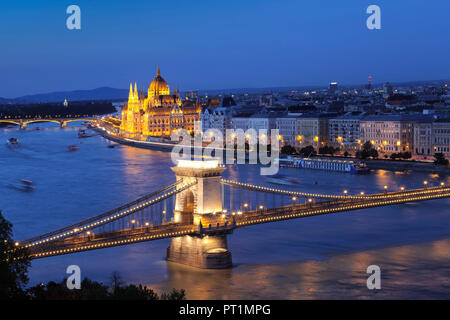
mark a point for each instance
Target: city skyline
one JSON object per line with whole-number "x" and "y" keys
{"x": 243, "y": 46}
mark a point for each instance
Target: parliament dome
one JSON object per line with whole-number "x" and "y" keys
{"x": 158, "y": 86}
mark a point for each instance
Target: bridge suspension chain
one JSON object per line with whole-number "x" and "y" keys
{"x": 251, "y": 187}
{"x": 109, "y": 216}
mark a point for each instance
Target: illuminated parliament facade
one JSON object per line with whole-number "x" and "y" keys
{"x": 157, "y": 114}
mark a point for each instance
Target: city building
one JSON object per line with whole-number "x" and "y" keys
{"x": 312, "y": 129}
{"x": 287, "y": 127}
{"x": 441, "y": 136}
{"x": 344, "y": 131}
{"x": 158, "y": 113}
{"x": 216, "y": 118}
{"x": 431, "y": 137}
{"x": 389, "y": 133}
{"x": 387, "y": 90}
{"x": 332, "y": 88}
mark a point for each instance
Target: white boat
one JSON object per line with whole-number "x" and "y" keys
{"x": 283, "y": 180}
{"x": 13, "y": 141}
{"x": 24, "y": 185}
{"x": 350, "y": 166}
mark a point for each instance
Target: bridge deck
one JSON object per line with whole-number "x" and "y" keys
{"x": 209, "y": 223}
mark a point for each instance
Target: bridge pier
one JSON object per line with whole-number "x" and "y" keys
{"x": 63, "y": 124}
{"x": 23, "y": 124}
{"x": 206, "y": 251}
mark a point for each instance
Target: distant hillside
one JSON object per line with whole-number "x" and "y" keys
{"x": 4, "y": 100}
{"x": 103, "y": 93}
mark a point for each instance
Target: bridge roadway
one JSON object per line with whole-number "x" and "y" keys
{"x": 213, "y": 224}
{"x": 23, "y": 122}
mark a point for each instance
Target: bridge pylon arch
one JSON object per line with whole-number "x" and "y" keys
{"x": 202, "y": 199}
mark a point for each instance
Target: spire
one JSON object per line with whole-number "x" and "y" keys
{"x": 135, "y": 91}
{"x": 130, "y": 95}
{"x": 158, "y": 73}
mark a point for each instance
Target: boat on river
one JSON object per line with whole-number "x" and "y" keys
{"x": 283, "y": 180}
{"x": 351, "y": 166}
{"x": 13, "y": 141}
{"x": 24, "y": 185}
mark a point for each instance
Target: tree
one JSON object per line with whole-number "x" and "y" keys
{"x": 288, "y": 150}
{"x": 92, "y": 290}
{"x": 328, "y": 150}
{"x": 133, "y": 292}
{"x": 367, "y": 151}
{"x": 307, "y": 151}
{"x": 174, "y": 295}
{"x": 440, "y": 159}
{"x": 14, "y": 264}
{"x": 367, "y": 146}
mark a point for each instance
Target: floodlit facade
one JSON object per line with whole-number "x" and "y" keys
{"x": 345, "y": 131}
{"x": 431, "y": 137}
{"x": 389, "y": 133}
{"x": 157, "y": 114}
{"x": 312, "y": 130}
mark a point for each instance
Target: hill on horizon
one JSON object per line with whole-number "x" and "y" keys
{"x": 114, "y": 94}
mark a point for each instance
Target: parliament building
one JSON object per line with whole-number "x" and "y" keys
{"x": 157, "y": 114}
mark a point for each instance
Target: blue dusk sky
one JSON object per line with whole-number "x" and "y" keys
{"x": 219, "y": 44}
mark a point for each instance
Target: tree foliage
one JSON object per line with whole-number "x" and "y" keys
{"x": 440, "y": 159}
{"x": 14, "y": 263}
{"x": 288, "y": 150}
{"x": 367, "y": 151}
{"x": 328, "y": 150}
{"x": 307, "y": 151}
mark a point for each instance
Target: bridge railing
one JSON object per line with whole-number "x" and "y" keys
{"x": 95, "y": 221}
{"x": 263, "y": 189}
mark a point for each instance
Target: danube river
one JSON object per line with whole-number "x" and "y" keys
{"x": 323, "y": 257}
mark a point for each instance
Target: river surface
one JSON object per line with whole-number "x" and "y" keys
{"x": 323, "y": 257}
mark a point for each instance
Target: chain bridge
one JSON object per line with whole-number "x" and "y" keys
{"x": 200, "y": 209}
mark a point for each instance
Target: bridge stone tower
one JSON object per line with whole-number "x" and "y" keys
{"x": 203, "y": 199}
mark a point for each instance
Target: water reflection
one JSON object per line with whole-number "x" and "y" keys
{"x": 404, "y": 275}
{"x": 289, "y": 259}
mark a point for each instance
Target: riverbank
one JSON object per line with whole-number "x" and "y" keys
{"x": 399, "y": 165}
{"x": 392, "y": 165}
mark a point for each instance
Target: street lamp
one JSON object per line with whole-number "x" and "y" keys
{"x": 362, "y": 193}
{"x": 345, "y": 192}
{"x": 402, "y": 188}
{"x": 425, "y": 182}
{"x": 442, "y": 184}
